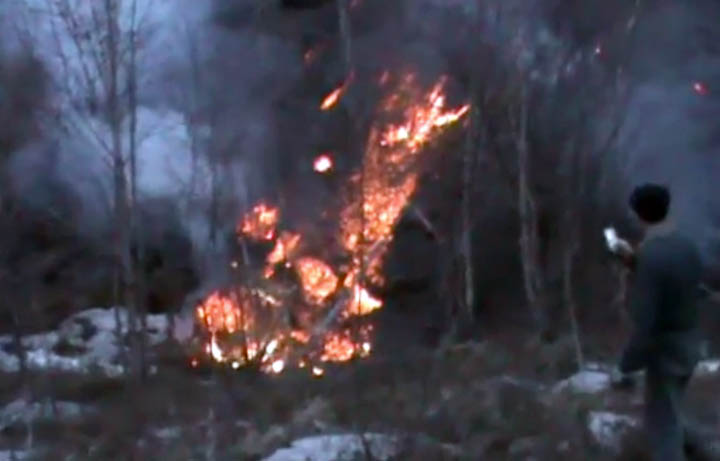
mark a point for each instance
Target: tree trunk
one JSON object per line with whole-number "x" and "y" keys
{"x": 17, "y": 342}
{"x": 134, "y": 218}
{"x": 345, "y": 35}
{"x": 121, "y": 206}
{"x": 569, "y": 298}
{"x": 529, "y": 239}
{"x": 469, "y": 160}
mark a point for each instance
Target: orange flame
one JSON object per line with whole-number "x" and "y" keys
{"x": 335, "y": 95}
{"x": 301, "y": 332}
{"x": 260, "y": 223}
{"x": 318, "y": 279}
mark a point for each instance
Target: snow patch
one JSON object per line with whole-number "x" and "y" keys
{"x": 608, "y": 429}
{"x": 23, "y": 412}
{"x": 90, "y": 336}
{"x": 585, "y": 382}
{"x": 341, "y": 447}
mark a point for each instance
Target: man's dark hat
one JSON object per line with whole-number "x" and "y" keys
{"x": 650, "y": 202}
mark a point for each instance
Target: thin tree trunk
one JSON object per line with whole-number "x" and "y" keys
{"x": 121, "y": 205}
{"x": 527, "y": 210}
{"x": 568, "y": 261}
{"x": 17, "y": 342}
{"x": 137, "y": 234}
{"x": 466, "y": 231}
{"x": 345, "y": 35}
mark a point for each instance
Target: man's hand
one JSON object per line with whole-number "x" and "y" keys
{"x": 620, "y": 380}
{"x": 619, "y": 247}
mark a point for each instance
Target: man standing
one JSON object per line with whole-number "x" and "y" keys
{"x": 665, "y": 341}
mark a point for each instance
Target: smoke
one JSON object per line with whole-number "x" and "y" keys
{"x": 672, "y": 115}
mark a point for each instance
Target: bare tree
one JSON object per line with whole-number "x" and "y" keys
{"x": 98, "y": 54}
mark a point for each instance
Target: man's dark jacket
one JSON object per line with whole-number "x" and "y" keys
{"x": 668, "y": 270}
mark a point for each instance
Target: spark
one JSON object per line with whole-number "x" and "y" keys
{"x": 323, "y": 163}
{"x": 700, "y": 88}
{"x": 335, "y": 95}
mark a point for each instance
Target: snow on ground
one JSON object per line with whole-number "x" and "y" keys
{"x": 22, "y": 412}
{"x": 608, "y": 428}
{"x": 585, "y": 382}
{"x": 85, "y": 342}
{"x": 339, "y": 447}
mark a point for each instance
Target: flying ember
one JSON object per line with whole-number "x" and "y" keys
{"x": 301, "y": 310}
{"x": 335, "y": 95}
{"x": 323, "y": 164}
{"x": 700, "y": 88}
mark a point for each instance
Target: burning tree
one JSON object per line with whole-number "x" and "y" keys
{"x": 265, "y": 320}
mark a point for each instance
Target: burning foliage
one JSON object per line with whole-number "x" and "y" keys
{"x": 320, "y": 317}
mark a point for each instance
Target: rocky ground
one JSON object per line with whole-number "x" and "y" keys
{"x": 468, "y": 402}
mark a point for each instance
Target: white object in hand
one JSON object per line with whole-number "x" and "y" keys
{"x": 611, "y": 239}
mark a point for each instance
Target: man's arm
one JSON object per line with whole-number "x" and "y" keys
{"x": 644, "y": 306}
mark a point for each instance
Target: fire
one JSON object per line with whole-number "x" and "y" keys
{"x": 260, "y": 223}
{"x": 318, "y": 279}
{"x": 320, "y": 318}
{"x": 389, "y": 176}
{"x": 284, "y": 248}
{"x": 335, "y": 95}
{"x": 323, "y": 163}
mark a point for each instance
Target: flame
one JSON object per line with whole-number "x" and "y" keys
{"x": 335, "y": 95}
{"x": 389, "y": 175}
{"x": 285, "y": 247}
{"x": 278, "y": 328}
{"x": 260, "y": 223}
{"x": 323, "y": 163}
{"x": 317, "y": 278}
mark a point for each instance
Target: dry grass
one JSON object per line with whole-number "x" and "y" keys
{"x": 458, "y": 398}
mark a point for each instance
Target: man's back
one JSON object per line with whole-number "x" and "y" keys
{"x": 669, "y": 274}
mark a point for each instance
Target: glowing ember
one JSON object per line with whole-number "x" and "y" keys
{"x": 271, "y": 326}
{"x": 310, "y": 55}
{"x": 285, "y": 247}
{"x": 323, "y": 164}
{"x": 260, "y": 223}
{"x": 362, "y": 302}
{"x": 700, "y": 88}
{"x": 318, "y": 279}
{"x": 335, "y": 95}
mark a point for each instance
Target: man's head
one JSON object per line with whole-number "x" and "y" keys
{"x": 651, "y": 203}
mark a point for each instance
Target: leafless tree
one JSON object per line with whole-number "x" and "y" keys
{"x": 99, "y": 85}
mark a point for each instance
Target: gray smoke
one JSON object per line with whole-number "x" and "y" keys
{"x": 669, "y": 134}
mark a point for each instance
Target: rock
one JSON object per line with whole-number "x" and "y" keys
{"x": 708, "y": 367}
{"x": 340, "y": 447}
{"x": 526, "y": 447}
{"x": 318, "y": 414}
{"x": 585, "y": 382}
{"x": 23, "y": 412}
{"x": 608, "y": 429}
{"x": 167, "y": 433}
{"x": 257, "y": 444}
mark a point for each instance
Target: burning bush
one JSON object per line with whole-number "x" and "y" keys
{"x": 273, "y": 324}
